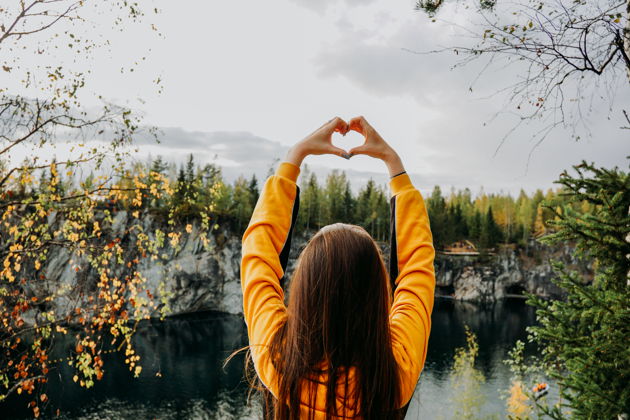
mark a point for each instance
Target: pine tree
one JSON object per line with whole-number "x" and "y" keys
{"x": 372, "y": 210}
{"x": 584, "y": 337}
{"x": 380, "y": 231}
{"x": 474, "y": 231}
{"x": 334, "y": 197}
{"x": 456, "y": 219}
{"x": 190, "y": 176}
{"x": 496, "y": 235}
{"x": 526, "y": 215}
{"x": 253, "y": 190}
{"x": 223, "y": 201}
{"x": 490, "y": 232}
{"x": 159, "y": 166}
{"x": 309, "y": 216}
{"x": 242, "y": 207}
{"x": 349, "y": 204}
{"x": 364, "y": 199}
{"x": 211, "y": 173}
{"x": 436, "y": 207}
{"x": 178, "y": 199}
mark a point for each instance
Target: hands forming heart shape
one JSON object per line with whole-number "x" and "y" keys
{"x": 320, "y": 141}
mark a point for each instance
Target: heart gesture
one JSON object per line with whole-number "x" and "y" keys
{"x": 320, "y": 142}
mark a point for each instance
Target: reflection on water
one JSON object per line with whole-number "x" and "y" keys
{"x": 497, "y": 328}
{"x": 183, "y": 375}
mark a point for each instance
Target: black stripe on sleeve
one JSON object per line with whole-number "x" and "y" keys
{"x": 284, "y": 254}
{"x": 393, "y": 249}
{"x": 393, "y": 268}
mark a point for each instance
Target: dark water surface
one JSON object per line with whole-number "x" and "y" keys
{"x": 183, "y": 375}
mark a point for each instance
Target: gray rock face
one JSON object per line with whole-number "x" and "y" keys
{"x": 195, "y": 279}
{"x": 508, "y": 273}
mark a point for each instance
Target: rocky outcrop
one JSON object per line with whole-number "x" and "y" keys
{"x": 197, "y": 278}
{"x": 507, "y": 273}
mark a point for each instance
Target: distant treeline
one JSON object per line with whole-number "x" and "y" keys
{"x": 487, "y": 220}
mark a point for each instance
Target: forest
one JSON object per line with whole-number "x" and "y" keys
{"x": 487, "y": 220}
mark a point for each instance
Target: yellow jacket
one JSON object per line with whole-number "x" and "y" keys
{"x": 265, "y": 250}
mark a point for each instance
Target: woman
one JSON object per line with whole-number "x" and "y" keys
{"x": 343, "y": 347}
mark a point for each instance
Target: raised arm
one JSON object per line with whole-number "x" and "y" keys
{"x": 411, "y": 265}
{"x": 413, "y": 273}
{"x": 265, "y": 248}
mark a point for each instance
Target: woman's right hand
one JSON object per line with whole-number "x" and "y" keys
{"x": 375, "y": 146}
{"x": 319, "y": 142}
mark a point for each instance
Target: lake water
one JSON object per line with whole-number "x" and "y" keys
{"x": 183, "y": 375}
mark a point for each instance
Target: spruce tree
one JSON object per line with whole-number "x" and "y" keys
{"x": 178, "y": 199}
{"x": 460, "y": 227}
{"x": 364, "y": 200}
{"x": 474, "y": 230}
{"x": 382, "y": 210}
{"x": 490, "y": 232}
{"x": 349, "y": 204}
{"x": 190, "y": 168}
{"x": 333, "y": 195}
{"x": 253, "y": 190}
{"x": 242, "y": 207}
{"x": 584, "y": 337}
{"x": 309, "y": 217}
{"x": 436, "y": 207}
{"x": 159, "y": 166}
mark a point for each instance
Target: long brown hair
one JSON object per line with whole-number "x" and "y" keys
{"x": 338, "y": 320}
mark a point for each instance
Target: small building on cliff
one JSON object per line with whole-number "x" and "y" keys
{"x": 464, "y": 247}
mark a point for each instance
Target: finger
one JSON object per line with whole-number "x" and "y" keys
{"x": 338, "y": 125}
{"x": 343, "y": 130}
{"x": 359, "y": 150}
{"x": 339, "y": 152}
{"x": 357, "y": 124}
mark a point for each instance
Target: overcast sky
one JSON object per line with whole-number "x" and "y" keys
{"x": 243, "y": 80}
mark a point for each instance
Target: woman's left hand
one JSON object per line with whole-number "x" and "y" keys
{"x": 319, "y": 142}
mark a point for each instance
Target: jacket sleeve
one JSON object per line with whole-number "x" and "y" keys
{"x": 413, "y": 274}
{"x": 265, "y": 248}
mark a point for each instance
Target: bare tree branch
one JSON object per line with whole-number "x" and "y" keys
{"x": 554, "y": 45}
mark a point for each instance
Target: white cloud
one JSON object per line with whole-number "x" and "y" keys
{"x": 321, "y": 6}
{"x": 246, "y": 85}
{"x": 459, "y": 126}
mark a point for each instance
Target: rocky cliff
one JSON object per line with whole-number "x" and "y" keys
{"x": 195, "y": 279}
{"x": 507, "y": 273}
